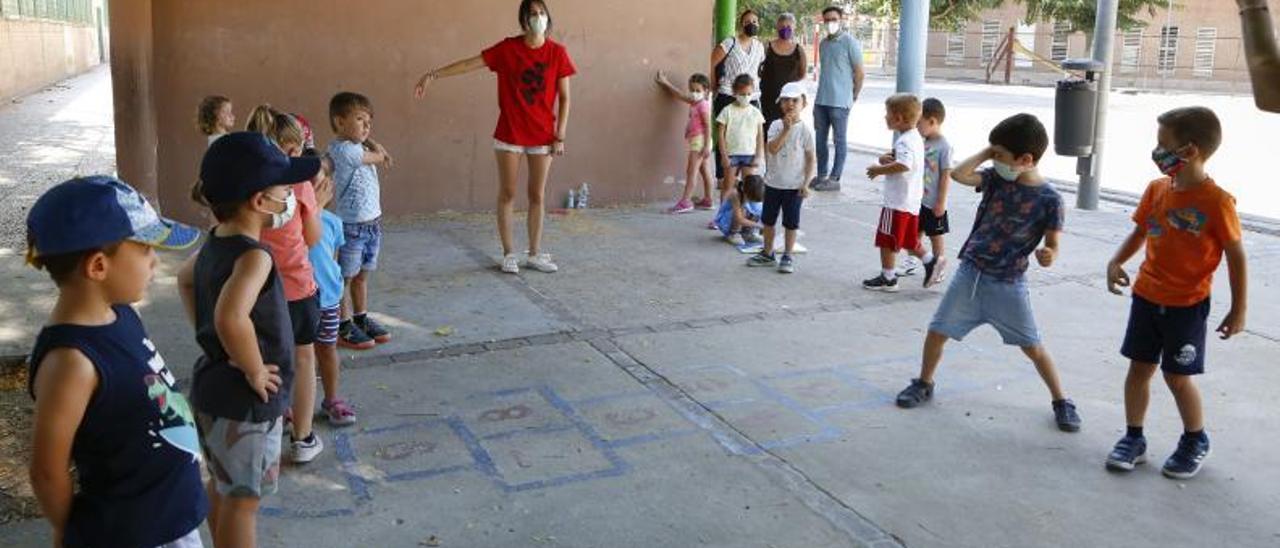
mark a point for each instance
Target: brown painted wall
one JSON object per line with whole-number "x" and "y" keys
{"x": 624, "y": 135}
{"x": 35, "y": 53}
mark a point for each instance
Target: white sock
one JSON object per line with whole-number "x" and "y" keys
{"x": 928, "y": 257}
{"x": 889, "y": 274}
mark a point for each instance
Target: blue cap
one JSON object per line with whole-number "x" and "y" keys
{"x": 241, "y": 164}
{"x": 92, "y": 212}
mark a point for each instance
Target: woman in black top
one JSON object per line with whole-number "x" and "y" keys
{"x": 784, "y": 62}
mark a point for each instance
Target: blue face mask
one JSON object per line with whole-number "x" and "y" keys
{"x": 1006, "y": 171}
{"x": 1167, "y": 161}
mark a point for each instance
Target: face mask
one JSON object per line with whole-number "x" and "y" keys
{"x": 833, "y": 27}
{"x": 290, "y": 208}
{"x": 744, "y": 100}
{"x": 1168, "y": 162}
{"x": 785, "y": 33}
{"x": 751, "y": 29}
{"x": 699, "y": 95}
{"x": 1006, "y": 171}
{"x": 538, "y": 24}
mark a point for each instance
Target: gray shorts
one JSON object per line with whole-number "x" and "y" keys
{"x": 243, "y": 457}
{"x": 974, "y": 299}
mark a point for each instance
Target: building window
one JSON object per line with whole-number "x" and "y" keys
{"x": 990, "y": 40}
{"x": 955, "y": 49}
{"x": 1059, "y": 47}
{"x": 70, "y": 11}
{"x": 1167, "y": 60}
{"x": 1206, "y": 52}
{"x": 1131, "y": 51}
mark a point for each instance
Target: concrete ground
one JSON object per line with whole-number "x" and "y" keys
{"x": 656, "y": 392}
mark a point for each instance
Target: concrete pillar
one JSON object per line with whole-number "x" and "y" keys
{"x": 135, "y": 119}
{"x": 913, "y": 43}
{"x": 726, "y": 19}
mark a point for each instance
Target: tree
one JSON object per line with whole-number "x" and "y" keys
{"x": 804, "y": 10}
{"x": 1082, "y": 14}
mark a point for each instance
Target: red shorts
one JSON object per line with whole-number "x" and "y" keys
{"x": 898, "y": 230}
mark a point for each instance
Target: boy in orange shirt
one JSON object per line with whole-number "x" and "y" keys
{"x": 1186, "y": 222}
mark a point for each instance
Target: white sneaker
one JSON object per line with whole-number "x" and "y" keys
{"x": 909, "y": 267}
{"x": 753, "y": 237}
{"x": 303, "y": 451}
{"x": 735, "y": 239}
{"x": 510, "y": 264}
{"x": 541, "y": 262}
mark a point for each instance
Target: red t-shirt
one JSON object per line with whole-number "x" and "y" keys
{"x": 527, "y": 87}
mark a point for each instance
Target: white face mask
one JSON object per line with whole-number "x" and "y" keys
{"x": 744, "y": 100}
{"x": 282, "y": 218}
{"x": 538, "y": 24}
{"x": 699, "y": 95}
{"x": 1006, "y": 171}
{"x": 833, "y": 27}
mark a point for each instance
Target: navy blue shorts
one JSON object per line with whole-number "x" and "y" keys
{"x": 1172, "y": 336}
{"x": 787, "y": 202}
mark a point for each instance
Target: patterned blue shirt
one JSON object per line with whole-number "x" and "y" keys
{"x": 356, "y": 189}
{"x": 1011, "y": 221}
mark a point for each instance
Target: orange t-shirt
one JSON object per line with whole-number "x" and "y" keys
{"x": 289, "y": 249}
{"x": 1186, "y": 231}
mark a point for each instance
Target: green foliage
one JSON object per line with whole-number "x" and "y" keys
{"x": 954, "y": 14}
{"x": 805, "y": 11}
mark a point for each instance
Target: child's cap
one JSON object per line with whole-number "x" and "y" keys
{"x": 91, "y": 212}
{"x": 793, "y": 90}
{"x": 243, "y": 163}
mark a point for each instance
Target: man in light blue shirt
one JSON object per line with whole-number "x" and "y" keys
{"x": 839, "y": 83}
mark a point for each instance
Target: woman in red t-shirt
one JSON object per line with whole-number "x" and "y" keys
{"x": 533, "y": 71}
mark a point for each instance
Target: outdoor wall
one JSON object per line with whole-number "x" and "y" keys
{"x": 625, "y": 136}
{"x": 36, "y": 53}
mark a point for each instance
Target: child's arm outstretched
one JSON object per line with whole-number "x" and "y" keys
{"x": 235, "y": 328}
{"x": 967, "y": 172}
{"x": 1116, "y": 276}
{"x": 457, "y": 68}
{"x": 663, "y": 82}
{"x": 63, "y": 386}
{"x": 1233, "y": 323}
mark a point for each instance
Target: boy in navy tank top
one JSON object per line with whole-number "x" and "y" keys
{"x": 233, "y": 293}
{"x": 104, "y": 399}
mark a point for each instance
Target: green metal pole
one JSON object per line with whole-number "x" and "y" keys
{"x": 726, "y": 19}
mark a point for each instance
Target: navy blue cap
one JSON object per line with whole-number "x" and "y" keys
{"x": 241, "y": 164}
{"x": 92, "y": 212}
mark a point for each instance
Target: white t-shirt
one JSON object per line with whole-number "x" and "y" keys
{"x": 903, "y": 191}
{"x": 786, "y": 168}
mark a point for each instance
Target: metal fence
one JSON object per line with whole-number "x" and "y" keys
{"x": 68, "y": 11}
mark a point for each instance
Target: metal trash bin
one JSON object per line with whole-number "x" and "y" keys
{"x": 1075, "y": 110}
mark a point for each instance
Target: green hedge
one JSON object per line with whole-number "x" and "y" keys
{"x": 70, "y": 11}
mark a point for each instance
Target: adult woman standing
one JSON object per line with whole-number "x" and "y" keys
{"x": 741, "y": 54}
{"x": 784, "y": 62}
{"x": 533, "y": 72}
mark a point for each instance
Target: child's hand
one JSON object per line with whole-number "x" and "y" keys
{"x": 420, "y": 90}
{"x": 1046, "y": 256}
{"x": 805, "y": 192}
{"x": 886, "y": 159}
{"x": 1116, "y": 278}
{"x": 873, "y": 172}
{"x": 265, "y": 381}
{"x": 660, "y": 78}
{"x": 557, "y": 148}
{"x": 939, "y": 211}
{"x": 1232, "y": 325}
{"x": 324, "y": 190}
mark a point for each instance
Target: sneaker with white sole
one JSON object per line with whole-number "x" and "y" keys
{"x": 786, "y": 265}
{"x": 881, "y": 283}
{"x": 510, "y": 264}
{"x": 541, "y": 262}
{"x": 305, "y": 450}
{"x": 909, "y": 267}
{"x": 735, "y": 239}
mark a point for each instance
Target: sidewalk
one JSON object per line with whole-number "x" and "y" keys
{"x": 656, "y": 392}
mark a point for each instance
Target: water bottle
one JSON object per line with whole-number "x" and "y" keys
{"x": 584, "y": 196}
{"x": 572, "y": 201}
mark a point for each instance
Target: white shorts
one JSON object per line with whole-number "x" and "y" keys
{"x": 190, "y": 540}
{"x": 508, "y": 147}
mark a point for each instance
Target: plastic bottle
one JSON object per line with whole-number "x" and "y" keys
{"x": 584, "y": 196}
{"x": 572, "y": 201}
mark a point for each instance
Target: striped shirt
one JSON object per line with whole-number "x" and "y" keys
{"x": 741, "y": 60}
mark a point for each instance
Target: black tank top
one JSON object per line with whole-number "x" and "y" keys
{"x": 777, "y": 71}
{"x": 219, "y": 388}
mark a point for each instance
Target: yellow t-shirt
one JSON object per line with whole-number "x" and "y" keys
{"x": 742, "y": 127}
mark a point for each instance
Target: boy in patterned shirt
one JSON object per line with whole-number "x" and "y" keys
{"x": 1017, "y": 211}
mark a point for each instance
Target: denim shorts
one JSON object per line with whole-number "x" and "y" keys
{"x": 517, "y": 149}
{"x": 360, "y": 252}
{"x": 974, "y": 299}
{"x": 742, "y": 160}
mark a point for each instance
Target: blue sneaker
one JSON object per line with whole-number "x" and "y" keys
{"x": 1127, "y": 453}
{"x": 1185, "y": 461}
